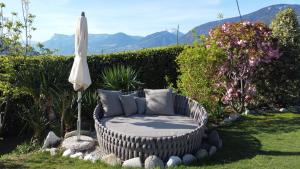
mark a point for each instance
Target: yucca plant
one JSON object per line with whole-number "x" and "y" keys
{"x": 120, "y": 78}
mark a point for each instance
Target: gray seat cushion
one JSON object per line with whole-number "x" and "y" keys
{"x": 159, "y": 102}
{"x": 110, "y": 102}
{"x": 150, "y": 126}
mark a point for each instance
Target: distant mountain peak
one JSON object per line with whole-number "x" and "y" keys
{"x": 109, "y": 43}
{"x": 174, "y": 31}
{"x": 264, "y": 15}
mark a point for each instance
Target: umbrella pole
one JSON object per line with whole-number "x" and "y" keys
{"x": 79, "y": 115}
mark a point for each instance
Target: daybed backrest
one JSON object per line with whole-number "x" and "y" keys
{"x": 182, "y": 106}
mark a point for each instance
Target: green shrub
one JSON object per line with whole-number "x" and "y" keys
{"x": 120, "y": 77}
{"x": 27, "y": 147}
{"x": 198, "y": 66}
{"x": 278, "y": 81}
{"x": 25, "y": 80}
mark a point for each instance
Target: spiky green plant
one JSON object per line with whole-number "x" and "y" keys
{"x": 120, "y": 78}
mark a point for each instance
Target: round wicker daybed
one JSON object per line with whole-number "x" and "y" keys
{"x": 144, "y": 135}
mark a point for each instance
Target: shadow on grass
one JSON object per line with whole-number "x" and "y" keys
{"x": 279, "y": 153}
{"x": 9, "y": 144}
{"x": 11, "y": 164}
{"x": 270, "y": 126}
{"x": 237, "y": 145}
{"x": 240, "y": 141}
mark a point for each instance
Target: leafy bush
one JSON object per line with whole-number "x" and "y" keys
{"x": 26, "y": 80}
{"x": 198, "y": 66}
{"x": 120, "y": 78}
{"x": 27, "y": 147}
{"x": 246, "y": 45}
{"x": 278, "y": 82}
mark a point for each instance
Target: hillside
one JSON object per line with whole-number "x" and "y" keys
{"x": 109, "y": 43}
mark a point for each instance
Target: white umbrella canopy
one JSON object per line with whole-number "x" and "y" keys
{"x": 80, "y": 75}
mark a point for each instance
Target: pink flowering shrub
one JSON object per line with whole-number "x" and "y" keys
{"x": 246, "y": 45}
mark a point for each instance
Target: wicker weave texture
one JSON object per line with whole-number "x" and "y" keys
{"x": 127, "y": 147}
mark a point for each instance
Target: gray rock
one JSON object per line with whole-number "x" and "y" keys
{"x": 112, "y": 160}
{"x": 283, "y": 110}
{"x": 234, "y": 116}
{"x": 226, "y": 121}
{"x": 85, "y": 143}
{"x": 53, "y": 151}
{"x": 68, "y": 152}
{"x": 97, "y": 154}
{"x": 87, "y": 157}
{"x": 205, "y": 146}
{"x": 202, "y": 153}
{"x": 93, "y": 157}
{"x": 51, "y": 140}
{"x": 173, "y": 161}
{"x": 188, "y": 158}
{"x": 134, "y": 162}
{"x": 153, "y": 162}
{"x": 77, "y": 155}
{"x": 212, "y": 150}
{"x": 214, "y": 138}
{"x": 74, "y": 133}
{"x": 246, "y": 112}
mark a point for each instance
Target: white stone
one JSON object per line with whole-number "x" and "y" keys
{"x": 77, "y": 155}
{"x": 88, "y": 157}
{"x": 202, "y": 153}
{"x": 94, "y": 158}
{"x": 212, "y": 150}
{"x": 246, "y": 112}
{"x": 234, "y": 116}
{"x": 134, "y": 162}
{"x": 188, "y": 158}
{"x": 96, "y": 154}
{"x": 112, "y": 160}
{"x": 68, "y": 152}
{"x": 50, "y": 140}
{"x": 153, "y": 162}
{"x": 53, "y": 151}
{"x": 173, "y": 161}
{"x": 85, "y": 143}
{"x": 226, "y": 120}
{"x": 74, "y": 133}
{"x": 283, "y": 110}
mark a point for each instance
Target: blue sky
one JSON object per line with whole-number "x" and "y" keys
{"x": 134, "y": 17}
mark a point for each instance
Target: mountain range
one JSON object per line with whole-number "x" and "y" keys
{"x": 109, "y": 43}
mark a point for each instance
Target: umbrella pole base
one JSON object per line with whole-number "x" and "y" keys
{"x": 78, "y": 130}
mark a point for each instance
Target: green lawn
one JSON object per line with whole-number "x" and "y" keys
{"x": 263, "y": 141}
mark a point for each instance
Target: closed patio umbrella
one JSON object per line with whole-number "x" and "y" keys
{"x": 80, "y": 75}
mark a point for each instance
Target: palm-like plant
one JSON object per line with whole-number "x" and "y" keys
{"x": 120, "y": 78}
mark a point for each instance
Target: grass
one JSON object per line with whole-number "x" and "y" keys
{"x": 269, "y": 140}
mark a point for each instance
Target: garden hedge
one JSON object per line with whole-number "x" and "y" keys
{"x": 153, "y": 66}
